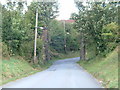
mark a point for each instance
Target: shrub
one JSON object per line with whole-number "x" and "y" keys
{"x": 26, "y": 50}
{"x": 4, "y": 49}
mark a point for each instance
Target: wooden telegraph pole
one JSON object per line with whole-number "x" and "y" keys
{"x": 35, "y": 42}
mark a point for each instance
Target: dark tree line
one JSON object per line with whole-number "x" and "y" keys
{"x": 97, "y": 23}
{"x": 18, "y": 27}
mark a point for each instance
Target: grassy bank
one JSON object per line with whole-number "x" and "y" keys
{"x": 104, "y": 69}
{"x": 16, "y": 68}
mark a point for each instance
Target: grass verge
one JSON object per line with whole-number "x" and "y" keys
{"x": 14, "y": 69}
{"x": 104, "y": 69}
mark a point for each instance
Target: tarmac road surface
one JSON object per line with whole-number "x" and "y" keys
{"x": 62, "y": 74}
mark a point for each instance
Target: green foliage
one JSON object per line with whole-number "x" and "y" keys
{"x": 5, "y": 52}
{"x": 12, "y": 25}
{"x": 110, "y": 32}
{"x": 18, "y": 30}
{"x": 27, "y": 49}
{"x": 110, "y": 35}
{"x": 56, "y": 36}
{"x": 40, "y": 51}
{"x": 97, "y": 25}
{"x": 18, "y": 26}
{"x": 72, "y": 38}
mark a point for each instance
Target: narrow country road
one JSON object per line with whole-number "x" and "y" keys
{"x": 62, "y": 74}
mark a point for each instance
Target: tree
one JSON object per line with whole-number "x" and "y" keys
{"x": 46, "y": 11}
{"x": 56, "y": 34}
{"x": 90, "y": 21}
{"x": 81, "y": 19}
{"x": 19, "y": 24}
{"x": 12, "y": 25}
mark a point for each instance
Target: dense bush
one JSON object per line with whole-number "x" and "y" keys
{"x": 27, "y": 49}
{"x": 4, "y": 50}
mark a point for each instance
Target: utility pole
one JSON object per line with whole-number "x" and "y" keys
{"x": 35, "y": 42}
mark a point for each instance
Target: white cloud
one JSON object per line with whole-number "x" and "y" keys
{"x": 66, "y": 8}
{"x": 2, "y": 1}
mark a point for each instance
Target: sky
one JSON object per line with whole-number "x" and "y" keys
{"x": 66, "y": 8}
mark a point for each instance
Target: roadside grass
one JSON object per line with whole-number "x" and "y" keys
{"x": 104, "y": 69}
{"x": 14, "y": 69}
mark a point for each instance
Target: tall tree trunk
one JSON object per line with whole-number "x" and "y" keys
{"x": 82, "y": 48}
{"x": 96, "y": 49}
{"x": 64, "y": 38}
{"x": 46, "y": 55}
